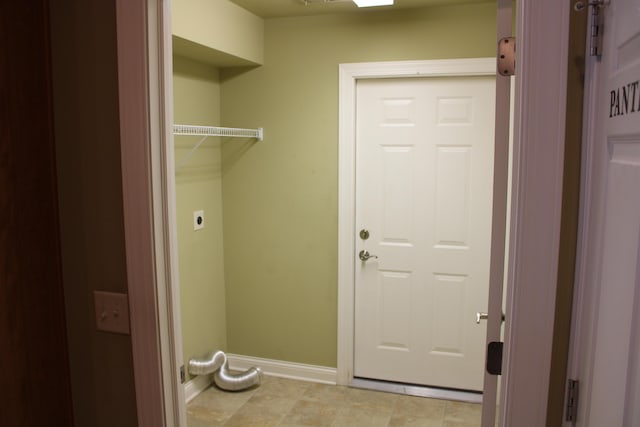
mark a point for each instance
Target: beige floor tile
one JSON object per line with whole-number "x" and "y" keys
{"x": 215, "y": 397}
{"x": 353, "y": 417}
{"x": 271, "y": 405}
{"x": 213, "y": 407}
{"x": 309, "y": 413}
{"x": 409, "y": 421}
{"x": 252, "y": 420}
{"x": 281, "y": 387}
{"x": 375, "y": 402}
{"x": 338, "y": 396}
{"x": 280, "y": 402}
{"x": 202, "y": 415}
{"x": 420, "y": 407}
{"x": 458, "y": 424}
{"x": 461, "y": 412}
{"x": 193, "y": 422}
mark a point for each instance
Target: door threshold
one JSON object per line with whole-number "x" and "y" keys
{"x": 418, "y": 390}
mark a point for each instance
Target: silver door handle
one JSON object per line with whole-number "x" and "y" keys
{"x": 481, "y": 316}
{"x": 365, "y": 255}
{"x": 484, "y": 316}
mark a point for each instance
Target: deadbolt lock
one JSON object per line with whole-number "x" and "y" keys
{"x": 364, "y": 234}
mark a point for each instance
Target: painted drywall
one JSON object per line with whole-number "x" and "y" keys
{"x": 217, "y": 30}
{"x": 85, "y": 89}
{"x": 280, "y": 196}
{"x": 196, "y": 89}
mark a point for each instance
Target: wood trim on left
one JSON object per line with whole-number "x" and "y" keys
{"x": 135, "y": 141}
{"x": 144, "y": 67}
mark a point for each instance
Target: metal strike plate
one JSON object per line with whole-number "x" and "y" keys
{"x": 507, "y": 56}
{"x": 494, "y": 358}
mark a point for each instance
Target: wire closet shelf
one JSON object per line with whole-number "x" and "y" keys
{"x": 217, "y": 131}
{"x": 207, "y": 131}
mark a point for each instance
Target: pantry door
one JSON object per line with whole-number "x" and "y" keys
{"x": 424, "y": 176}
{"x": 608, "y": 311}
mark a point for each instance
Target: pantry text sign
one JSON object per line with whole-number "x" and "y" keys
{"x": 625, "y": 100}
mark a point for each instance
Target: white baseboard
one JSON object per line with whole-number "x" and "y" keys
{"x": 279, "y": 368}
{"x": 196, "y": 386}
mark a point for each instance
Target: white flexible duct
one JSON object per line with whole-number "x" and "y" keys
{"x": 207, "y": 366}
{"x": 217, "y": 364}
{"x": 234, "y": 382}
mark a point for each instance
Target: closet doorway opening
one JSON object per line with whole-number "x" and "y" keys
{"x": 258, "y": 274}
{"x": 539, "y": 120}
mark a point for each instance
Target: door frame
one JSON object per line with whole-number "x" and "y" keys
{"x": 536, "y": 207}
{"x": 145, "y": 81}
{"x": 585, "y": 296}
{"x": 144, "y": 43}
{"x": 349, "y": 75}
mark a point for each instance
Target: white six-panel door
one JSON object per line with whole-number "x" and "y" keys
{"x": 424, "y": 164}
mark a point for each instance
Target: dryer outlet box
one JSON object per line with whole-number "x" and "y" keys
{"x": 198, "y": 220}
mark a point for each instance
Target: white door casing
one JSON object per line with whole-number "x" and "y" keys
{"x": 424, "y": 172}
{"x": 605, "y": 355}
{"x": 146, "y": 143}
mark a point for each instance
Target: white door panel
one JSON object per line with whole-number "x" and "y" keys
{"x": 423, "y": 190}
{"x": 608, "y": 361}
{"x": 614, "y": 356}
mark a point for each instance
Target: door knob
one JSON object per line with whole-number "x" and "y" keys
{"x": 365, "y": 255}
{"x": 484, "y": 316}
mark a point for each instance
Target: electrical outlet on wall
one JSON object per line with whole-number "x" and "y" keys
{"x": 198, "y": 220}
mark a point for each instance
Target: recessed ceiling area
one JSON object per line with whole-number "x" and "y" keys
{"x": 282, "y": 8}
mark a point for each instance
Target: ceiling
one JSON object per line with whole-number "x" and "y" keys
{"x": 282, "y": 8}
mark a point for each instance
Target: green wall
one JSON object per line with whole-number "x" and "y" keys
{"x": 280, "y": 196}
{"x": 199, "y": 187}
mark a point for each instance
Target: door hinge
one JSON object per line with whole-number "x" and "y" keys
{"x": 507, "y": 56}
{"x": 572, "y": 401}
{"x": 494, "y": 358}
{"x": 182, "y": 375}
{"x": 596, "y": 23}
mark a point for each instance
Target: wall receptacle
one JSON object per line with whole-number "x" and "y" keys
{"x": 198, "y": 220}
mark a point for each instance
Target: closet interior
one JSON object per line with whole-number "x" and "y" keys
{"x": 257, "y": 213}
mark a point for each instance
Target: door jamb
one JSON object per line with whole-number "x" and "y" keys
{"x": 349, "y": 75}
{"x": 536, "y": 205}
{"x": 146, "y": 145}
{"x": 586, "y": 292}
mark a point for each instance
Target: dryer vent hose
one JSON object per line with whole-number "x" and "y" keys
{"x": 217, "y": 365}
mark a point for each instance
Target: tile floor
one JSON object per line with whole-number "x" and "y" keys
{"x": 287, "y": 403}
